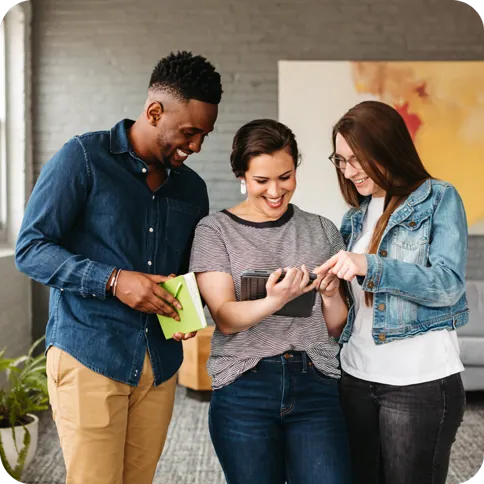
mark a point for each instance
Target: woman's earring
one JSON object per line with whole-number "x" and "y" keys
{"x": 243, "y": 187}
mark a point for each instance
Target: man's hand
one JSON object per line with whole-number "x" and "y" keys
{"x": 345, "y": 265}
{"x": 141, "y": 292}
{"x": 181, "y": 336}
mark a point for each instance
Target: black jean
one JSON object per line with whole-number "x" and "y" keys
{"x": 402, "y": 434}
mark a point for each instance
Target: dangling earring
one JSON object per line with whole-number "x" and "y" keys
{"x": 243, "y": 187}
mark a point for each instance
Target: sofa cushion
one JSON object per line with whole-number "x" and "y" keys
{"x": 475, "y": 299}
{"x": 471, "y": 350}
{"x": 473, "y": 378}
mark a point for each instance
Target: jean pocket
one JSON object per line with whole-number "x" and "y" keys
{"x": 53, "y": 364}
{"x": 320, "y": 376}
{"x": 460, "y": 384}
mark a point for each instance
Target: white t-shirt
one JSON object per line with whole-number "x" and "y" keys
{"x": 418, "y": 359}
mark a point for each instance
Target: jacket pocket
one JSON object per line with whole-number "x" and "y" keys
{"x": 182, "y": 218}
{"x": 410, "y": 239}
{"x": 402, "y": 311}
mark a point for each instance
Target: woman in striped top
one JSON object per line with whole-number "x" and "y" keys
{"x": 275, "y": 415}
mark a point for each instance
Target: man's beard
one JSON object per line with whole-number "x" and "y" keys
{"x": 162, "y": 146}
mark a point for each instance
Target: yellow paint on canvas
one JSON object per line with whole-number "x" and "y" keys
{"x": 448, "y": 98}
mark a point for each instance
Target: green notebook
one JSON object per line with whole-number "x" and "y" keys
{"x": 192, "y": 317}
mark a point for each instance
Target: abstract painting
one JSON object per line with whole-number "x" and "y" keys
{"x": 441, "y": 102}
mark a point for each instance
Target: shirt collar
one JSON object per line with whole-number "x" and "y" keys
{"x": 119, "y": 143}
{"x": 119, "y": 137}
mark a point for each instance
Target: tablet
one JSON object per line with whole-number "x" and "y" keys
{"x": 253, "y": 286}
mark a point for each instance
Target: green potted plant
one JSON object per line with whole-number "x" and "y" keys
{"x": 24, "y": 392}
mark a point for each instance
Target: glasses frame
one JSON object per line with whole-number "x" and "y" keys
{"x": 332, "y": 157}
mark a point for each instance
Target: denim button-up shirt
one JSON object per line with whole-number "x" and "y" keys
{"x": 417, "y": 276}
{"x": 91, "y": 211}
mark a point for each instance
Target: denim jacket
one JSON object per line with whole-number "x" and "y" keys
{"x": 417, "y": 276}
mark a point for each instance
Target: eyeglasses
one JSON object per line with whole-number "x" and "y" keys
{"x": 340, "y": 162}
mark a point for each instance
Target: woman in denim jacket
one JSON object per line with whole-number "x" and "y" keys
{"x": 406, "y": 236}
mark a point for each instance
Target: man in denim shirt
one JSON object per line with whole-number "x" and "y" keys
{"x": 111, "y": 216}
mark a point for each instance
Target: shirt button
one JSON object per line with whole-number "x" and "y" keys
{"x": 382, "y": 337}
{"x": 146, "y": 330}
{"x": 144, "y": 170}
{"x": 151, "y": 229}
{"x": 412, "y": 224}
{"x": 153, "y": 197}
{"x": 371, "y": 285}
{"x": 149, "y": 262}
{"x": 62, "y": 290}
{"x": 381, "y": 307}
{"x": 383, "y": 253}
{"x": 93, "y": 295}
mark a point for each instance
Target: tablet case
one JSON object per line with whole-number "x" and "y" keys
{"x": 253, "y": 286}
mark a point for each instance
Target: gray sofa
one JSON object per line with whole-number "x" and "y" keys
{"x": 471, "y": 338}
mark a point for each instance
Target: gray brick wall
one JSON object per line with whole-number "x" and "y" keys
{"x": 92, "y": 60}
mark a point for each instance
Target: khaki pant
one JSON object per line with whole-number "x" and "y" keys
{"x": 110, "y": 432}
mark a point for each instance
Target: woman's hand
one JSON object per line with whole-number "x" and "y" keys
{"x": 184, "y": 336}
{"x": 329, "y": 286}
{"x": 345, "y": 265}
{"x": 294, "y": 283}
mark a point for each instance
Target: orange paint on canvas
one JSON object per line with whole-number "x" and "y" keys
{"x": 442, "y": 104}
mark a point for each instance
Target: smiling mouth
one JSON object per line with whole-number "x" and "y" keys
{"x": 182, "y": 154}
{"x": 360, "y": 181}
{"x": 274, "y": 202}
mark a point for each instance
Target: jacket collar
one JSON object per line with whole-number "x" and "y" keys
{"x": 416, "y": 197}
{"x": 420, "y": 194}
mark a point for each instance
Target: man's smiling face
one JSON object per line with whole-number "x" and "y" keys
{"x": 182, "y": 128}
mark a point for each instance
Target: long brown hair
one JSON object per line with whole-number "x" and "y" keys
{"x": 381, "y": 142}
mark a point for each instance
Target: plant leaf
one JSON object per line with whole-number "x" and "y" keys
{"x": 19, "y": 468}
{"x": 34, "y": 346}
{"x": 4, "y": 460}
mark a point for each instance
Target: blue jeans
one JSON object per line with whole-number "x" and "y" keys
{"x": 281, "y": 422}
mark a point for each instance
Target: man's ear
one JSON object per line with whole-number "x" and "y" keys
{"x": 154, "y": 112}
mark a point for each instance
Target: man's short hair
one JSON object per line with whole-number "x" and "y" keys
{"x": 187, "y": 76}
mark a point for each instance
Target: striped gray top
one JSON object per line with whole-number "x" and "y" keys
{"x": 226, "y": 243}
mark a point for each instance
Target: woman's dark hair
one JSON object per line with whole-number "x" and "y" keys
{"x": 381, "y": 142}
{"x": 261, "y": 137}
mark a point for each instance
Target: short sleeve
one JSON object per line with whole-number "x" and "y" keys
{"x": 209, "y": 252}
{"x": 334, "y": 236}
